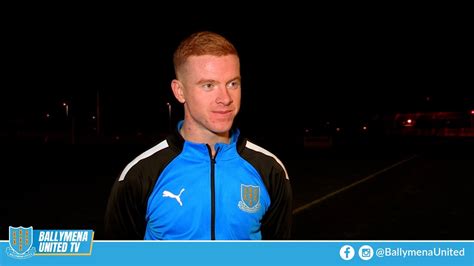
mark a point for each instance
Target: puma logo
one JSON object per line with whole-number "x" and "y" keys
{"x": 168, "y": 194}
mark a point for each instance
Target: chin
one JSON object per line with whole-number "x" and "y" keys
{"x": 221, "y": 127}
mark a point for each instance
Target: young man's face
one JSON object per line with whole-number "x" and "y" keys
{"x": 211, "y": 92}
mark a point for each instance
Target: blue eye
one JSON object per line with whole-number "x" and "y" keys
{"x": 208, "y": 86}
{"x": 233, "y": 85}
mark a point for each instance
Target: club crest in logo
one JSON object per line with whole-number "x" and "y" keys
{"x": 249, "y": 198}
{"x": 21, "y": 242}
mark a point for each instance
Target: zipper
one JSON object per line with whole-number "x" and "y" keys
{"x": 213, "y": 192}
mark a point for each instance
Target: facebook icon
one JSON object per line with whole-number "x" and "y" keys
{"x": 346, "y": 252}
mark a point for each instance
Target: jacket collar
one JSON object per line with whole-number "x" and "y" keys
{"x": 224, "y": 151}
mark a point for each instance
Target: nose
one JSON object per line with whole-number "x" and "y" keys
{"x": 223, "y": 96}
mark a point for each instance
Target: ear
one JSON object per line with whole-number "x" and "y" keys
{"x": 178, "y": 92}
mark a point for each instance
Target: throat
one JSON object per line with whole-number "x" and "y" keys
{"x": 209, "y": 138}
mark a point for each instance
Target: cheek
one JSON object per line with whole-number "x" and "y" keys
{"x": 236, "y": 97}
{"x": 200, "y": 104}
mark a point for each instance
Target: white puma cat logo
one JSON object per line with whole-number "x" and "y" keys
{"x": 168, "y": 194}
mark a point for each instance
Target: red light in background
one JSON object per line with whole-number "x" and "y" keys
{"x": 472, "y": 112}
{"x": 408, "y": 122}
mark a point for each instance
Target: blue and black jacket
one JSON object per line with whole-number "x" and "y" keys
{"x": 177, "y": 191}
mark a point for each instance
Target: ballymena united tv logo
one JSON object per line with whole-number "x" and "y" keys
{"x": 21, "y": 242}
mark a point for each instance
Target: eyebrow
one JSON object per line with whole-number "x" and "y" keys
{"x": 203, "y": 81}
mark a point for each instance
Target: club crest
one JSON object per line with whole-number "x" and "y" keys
{"x": 21, "y": 242}
{"x": 249, "y": 198}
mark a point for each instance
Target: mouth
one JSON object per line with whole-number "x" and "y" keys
{"x": 224, "y": 112}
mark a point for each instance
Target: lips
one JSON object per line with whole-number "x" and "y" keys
{"x": 222, "y": 112}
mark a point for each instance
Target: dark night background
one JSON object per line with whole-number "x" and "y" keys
{"x": 300, "y": 68}
{"x": 293, "y": 68}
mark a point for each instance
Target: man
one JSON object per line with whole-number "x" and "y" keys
{"x": 204, "y": 181}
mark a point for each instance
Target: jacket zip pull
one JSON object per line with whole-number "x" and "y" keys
{"x": 213, "y": 158}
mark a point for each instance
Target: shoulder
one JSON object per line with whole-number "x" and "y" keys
{"x": 150, "y": 161}
{"x": 263, "y": 160}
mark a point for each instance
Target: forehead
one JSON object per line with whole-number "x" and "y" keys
{"x": 212, "y": 65}
{"x": 210, "y": 60}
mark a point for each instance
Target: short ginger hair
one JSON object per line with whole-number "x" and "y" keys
{"x": 202, "y": 43}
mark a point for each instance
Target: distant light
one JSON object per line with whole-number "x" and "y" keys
{"x": 472, "y": 112}
{"x": 338, "y": 129}
{"x": 364, "y": 128}
{"x": 48, "y": 115}
{"x": 64, "y": 104}
{"x": 409, "y": 122}
{"x": 93, "y": 117}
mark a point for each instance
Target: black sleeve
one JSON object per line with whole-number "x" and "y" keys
{"x": 126, "y": 208}
{"x": 125, "y": 217}
{"x": 276, "y": 223}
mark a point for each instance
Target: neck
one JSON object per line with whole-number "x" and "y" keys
{"x": 204, "y": 136}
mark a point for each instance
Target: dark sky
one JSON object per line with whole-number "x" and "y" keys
{"x": 298, "y": 63}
